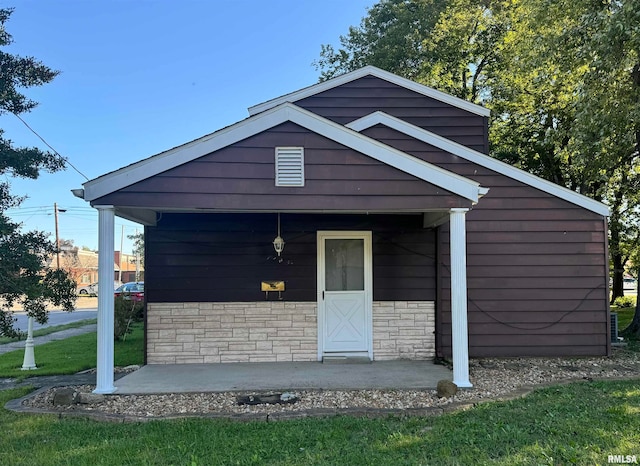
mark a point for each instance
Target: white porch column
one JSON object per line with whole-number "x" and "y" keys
{"x": 459, "y": 329}
{"x": 104, "y": 377}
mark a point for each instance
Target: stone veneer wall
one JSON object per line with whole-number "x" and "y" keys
{"x": 271, "y": 331}
{"x": 404, "y": 330}
{"x": 182, "y": 333}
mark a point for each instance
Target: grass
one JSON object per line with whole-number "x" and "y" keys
{"x": 73, "y": 354}
{"x": 580, "y": 423}
{"x": 52, "y": 329}
{"x": 625, "y": 316}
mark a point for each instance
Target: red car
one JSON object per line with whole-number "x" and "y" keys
{"x": 132, "y": 290}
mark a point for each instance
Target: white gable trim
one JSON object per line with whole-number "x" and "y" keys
{"x": 479, "y": 158}
{"x": 147, "y": 168}
{"x": 371, "y": 71}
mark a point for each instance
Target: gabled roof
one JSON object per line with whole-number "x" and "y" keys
{"x": 378, "y": 73}
{"x": 478, "y": 158}
{"x": 285, "y": 112}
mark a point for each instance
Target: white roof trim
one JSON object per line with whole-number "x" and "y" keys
{"x": 371, "y": 71}
{"x": 147, "y": 168}
{"x": 479, "y": 158}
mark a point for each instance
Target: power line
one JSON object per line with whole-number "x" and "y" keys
{"x": 64, "y": 159}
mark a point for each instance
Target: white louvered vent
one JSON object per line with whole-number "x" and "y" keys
{"x": 289, "y": 166}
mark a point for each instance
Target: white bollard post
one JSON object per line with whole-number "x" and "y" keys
{"x": 29, "y": 361}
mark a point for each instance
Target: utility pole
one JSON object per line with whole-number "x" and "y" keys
{"x": 120, "y": 256}
{"x": 55, "y": 215}
{"x": 138, "y": 260}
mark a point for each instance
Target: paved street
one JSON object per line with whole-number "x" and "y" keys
{"x": 57, "y": 318}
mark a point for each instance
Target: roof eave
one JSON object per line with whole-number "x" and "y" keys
{"x": 371, "y": 71}
{"x": 479, "y": 158}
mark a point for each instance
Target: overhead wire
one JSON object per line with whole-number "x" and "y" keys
{"x": 64, "y": 159}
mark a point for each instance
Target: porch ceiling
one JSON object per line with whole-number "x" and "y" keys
{"x": 149, "y": 217}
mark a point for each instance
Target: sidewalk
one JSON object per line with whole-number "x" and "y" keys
{"x": 72, "y": 332}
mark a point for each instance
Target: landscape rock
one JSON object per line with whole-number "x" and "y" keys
{"x": 446, "y": 389}
{"x": 533, "y": 372}
{"x": 65, "y": 397}
{"x": 90, "y": 398}
{"x": 266, "y": 398}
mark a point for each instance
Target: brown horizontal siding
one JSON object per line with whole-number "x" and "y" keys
{"x": 544, "y": 316}
{"x": 224, "y": 257}
{"x": 538, "y": 351}
{"x": 242, "y": 177}
{"x": 526, "y": 285}
{"x": 364, "y": 96}
{"x": 533, "y": 261}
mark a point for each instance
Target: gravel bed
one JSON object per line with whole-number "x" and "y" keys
{"x": 491, "y": 378}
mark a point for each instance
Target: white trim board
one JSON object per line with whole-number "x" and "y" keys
{"x": 479, "y": 158}
{"x": 156, "y": 164}
{"x": 378, "y": 73}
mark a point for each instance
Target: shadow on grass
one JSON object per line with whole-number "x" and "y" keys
{"x": 580, "y": 423}
{"x": 73, "y": 355}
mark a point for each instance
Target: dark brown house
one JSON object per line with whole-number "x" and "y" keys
{"x": 402, "y": 237}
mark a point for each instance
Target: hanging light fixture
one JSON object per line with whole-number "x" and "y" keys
{"x": 278, "y": 242}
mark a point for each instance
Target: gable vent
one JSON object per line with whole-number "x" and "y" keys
{"x": 289, "y": 166}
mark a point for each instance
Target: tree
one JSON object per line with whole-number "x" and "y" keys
{"x": 612, "y": 121}
{"x": 138, "y": 246}
{"x": 23, "y": 255}
{"x": 75, "y": 262}
{"x": 390, "y": 37}
{"x": 448, "y": 44}
{"x": 561, "y": 78}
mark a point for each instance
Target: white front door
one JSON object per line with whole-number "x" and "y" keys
{"x": 344, "y": 294}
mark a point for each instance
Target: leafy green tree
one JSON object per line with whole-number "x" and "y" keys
{"x": 561, "y": 77}
{"x": 610, "y": 123}
{"x": 391, "y": 37}
{"x": 24, "y": 279}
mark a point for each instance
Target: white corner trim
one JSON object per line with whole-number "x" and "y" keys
{"x": 378, "y": 73}
{"x": 479, "y": 158}
{"x": 147, "y": 168}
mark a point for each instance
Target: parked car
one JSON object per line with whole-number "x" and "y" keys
{"x": 88, "y": 290}
{"x": 92, "y": 289}
{"x": 132, "y": 290}
{"x": 630, "y": 284}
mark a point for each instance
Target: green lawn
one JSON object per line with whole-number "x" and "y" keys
{"x": 625, "y": 316}
{"x": 574, "y": 424}
{"x": 73, "y": 355}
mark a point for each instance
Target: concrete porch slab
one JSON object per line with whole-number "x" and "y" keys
{"x": 194, "y": 378}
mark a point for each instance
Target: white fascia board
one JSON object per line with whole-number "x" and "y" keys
{"x": 147, "y": 168}
{"x": 479, "y": 158}
{"x": 433, "y": 174}
{"x": 377, "y": 72}
{"x": 172, "y": 158}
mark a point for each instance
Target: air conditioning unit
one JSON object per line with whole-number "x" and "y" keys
{"x": 614, "y": 328}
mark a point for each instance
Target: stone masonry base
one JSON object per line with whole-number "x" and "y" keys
{"x": 272, "y": 331}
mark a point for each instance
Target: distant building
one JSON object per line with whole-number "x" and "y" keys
{"x": 128, "y": 267}
{"x": 82, "y": 265}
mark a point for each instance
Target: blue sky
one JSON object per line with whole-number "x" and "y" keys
{"x": 141, "y": 77}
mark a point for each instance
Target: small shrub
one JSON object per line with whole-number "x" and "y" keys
{"x": 625, "y": 301}
{"x": 125, "y": 313}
